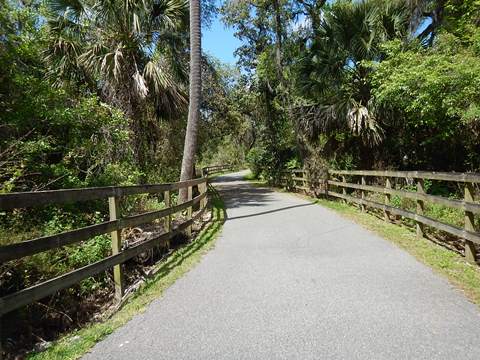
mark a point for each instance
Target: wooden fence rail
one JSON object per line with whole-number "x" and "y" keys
{"x": 113, "y": 226}
{"x": 337, "y": 179}
{"x": 210, "y": 170}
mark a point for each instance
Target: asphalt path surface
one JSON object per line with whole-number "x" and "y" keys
{"x": 291, "y": 280}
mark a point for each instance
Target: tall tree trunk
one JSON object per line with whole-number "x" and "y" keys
{"x": 278, "y": 40}
{"x": 195, "y": 94}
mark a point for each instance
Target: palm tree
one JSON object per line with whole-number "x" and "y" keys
{"x": 334, "y": 71}
{"x": 195, "y": 94}
{"x": 129, "y": 51}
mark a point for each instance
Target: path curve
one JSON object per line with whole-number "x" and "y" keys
{"x": 292, "y": 280}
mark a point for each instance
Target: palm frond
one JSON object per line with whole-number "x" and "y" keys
{"x": 363, "y": 123}
{"x": 72, "y": 9}
{"x": 140, "y": 84}
{"x": 168, "y": 96}
{"x": 169, "y": 14}
{"x": 131, "y": 48}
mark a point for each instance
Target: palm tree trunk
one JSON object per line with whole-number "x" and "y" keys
{"x": 195, "y": 94}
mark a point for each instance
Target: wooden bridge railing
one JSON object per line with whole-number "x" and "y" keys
{"x": 337, "y": 179}
{"x": 113, "y": 226}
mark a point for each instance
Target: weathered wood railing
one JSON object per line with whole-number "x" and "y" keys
{"x": 337, "y": 179}
{"x": 113, "y": 226}
{"x": 210, "y": 170}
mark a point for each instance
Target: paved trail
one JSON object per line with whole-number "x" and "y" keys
{"x": 291, "y": 280}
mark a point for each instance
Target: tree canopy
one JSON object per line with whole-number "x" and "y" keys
{"x": 96, "y": 93}
{"x": 362, "y": 84}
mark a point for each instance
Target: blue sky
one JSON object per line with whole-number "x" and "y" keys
{"x": 220, "y": 42}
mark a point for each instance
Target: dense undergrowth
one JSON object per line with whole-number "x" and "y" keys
{"x": 72, "y": 308}
{"x": 175, "y": 265}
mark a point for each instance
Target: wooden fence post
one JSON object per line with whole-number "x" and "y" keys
{"x": 168, "y": 220}
{"x": 325, "y": 184}
{"x": 201, "y": 191}
{"x": 386, "y": 214}
{"x": 305, "y": 182}
{"x": 470, "y": 253}
{"x": 420, "y": 208}
{"x": 364, "y": 182}
{"x": 189, "y": 209}
{"x": 204, "y": 201}
{"x": 114, "y": 209}
{"x": 344, "y": 189}
{"x": 294, "y": 182}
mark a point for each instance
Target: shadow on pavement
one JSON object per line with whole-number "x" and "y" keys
{"x": 237, "y": 195}
{"x": 227, "y": 178}
{"x": 268, "y": 212}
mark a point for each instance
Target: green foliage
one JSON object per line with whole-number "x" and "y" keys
{"x": 255, "y": 161}
{"x": 227, "y": 128}
{"x": 376, "y": 89}
{"x": 177, "y": 264}
{"x": 133, "y": 53}
{"x": 434, "y": 92}
{"x": 445, "y": 214}
{"x": 333, "y": 72}
{"x": 54, "y": 137}
{"x": 225, "y": 151}
{"x": 432, "y": 83}
{"x": 439, "y": 212}
{"x": 263, "y": 29}
{"x": 293, "y": 164}
{"x": 461, "y": 19}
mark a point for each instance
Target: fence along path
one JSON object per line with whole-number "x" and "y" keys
{"x": 299, "y": 179}
{"x": 291, "y": 280}
{"x": 114, "y": 226}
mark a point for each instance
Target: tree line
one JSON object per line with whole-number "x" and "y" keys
{"x": 96, "y": 93}
{"x": 361, "y": 84}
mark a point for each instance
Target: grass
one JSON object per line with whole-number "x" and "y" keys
{"x": 177, "y": 264}
{"x": 250, "y": 177}
{"x": 448, "y": 263}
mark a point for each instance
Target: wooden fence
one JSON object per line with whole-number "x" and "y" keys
{"x": 337, "y": 186}
{"x": 114, "y": 226}
{"x": 214, "y": 169}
